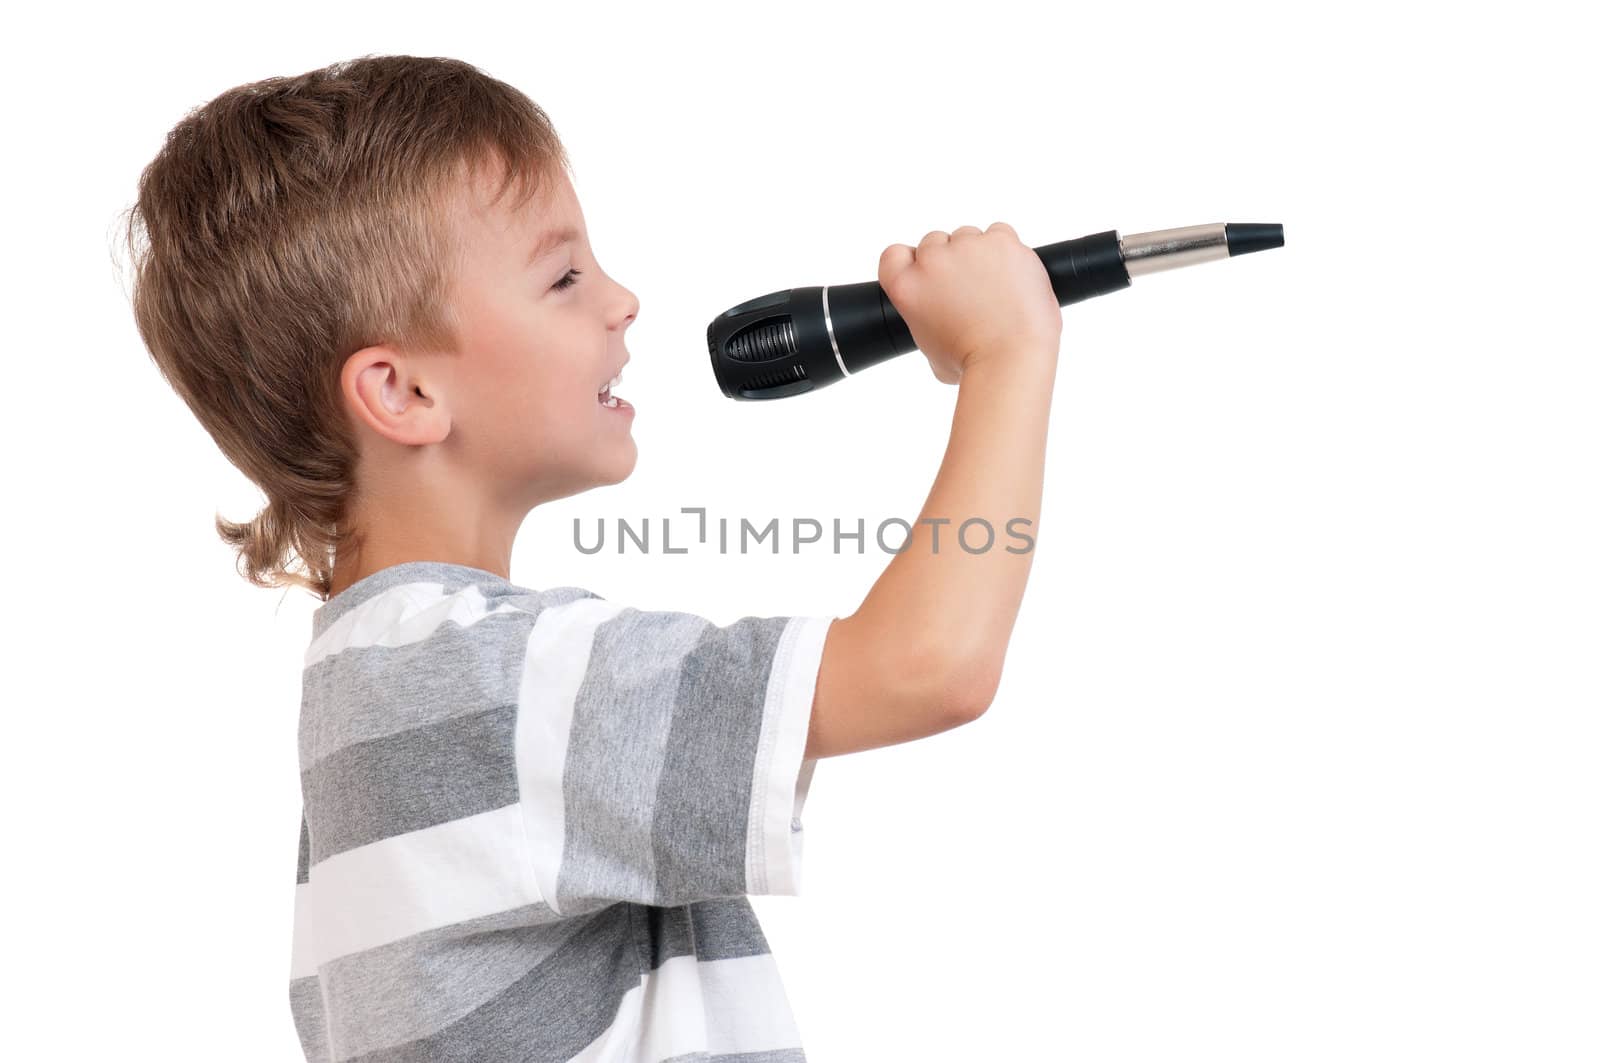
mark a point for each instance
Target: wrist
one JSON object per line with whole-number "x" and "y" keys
{"x": 1028, "y": 360}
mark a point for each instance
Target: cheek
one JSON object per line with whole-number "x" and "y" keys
{"x": 556, "y": 408}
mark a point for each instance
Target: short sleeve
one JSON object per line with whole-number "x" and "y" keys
{"x": 660, "y": 757}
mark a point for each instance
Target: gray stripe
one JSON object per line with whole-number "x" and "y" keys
{"x": 621, "y": 722}
{"x": 703, "y": 795}
{"x": 727, "y": 928}
{"x": 369, "y": 692}
{"x": 724, "y": 928}
{"x": 302, "y": 870}
{"x": 418, "y": 986}
{"x": 661, "y": 756}
{"x": 415, "y": 779}
{"x": 310, "y": 1020}
{"x": 550, "y": 1013}
{"x": 412, "y": 988}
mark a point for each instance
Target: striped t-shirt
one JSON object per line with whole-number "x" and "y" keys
{"x": 531, "y": 820}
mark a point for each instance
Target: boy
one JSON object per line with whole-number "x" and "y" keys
{"x": 532, "y": 818}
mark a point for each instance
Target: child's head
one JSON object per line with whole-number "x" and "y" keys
{"x": 335, "y": 276}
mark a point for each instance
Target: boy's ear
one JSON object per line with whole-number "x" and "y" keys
{"x": 383, "y": 390}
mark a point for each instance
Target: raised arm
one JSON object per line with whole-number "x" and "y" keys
{"x": 924, "y": 651}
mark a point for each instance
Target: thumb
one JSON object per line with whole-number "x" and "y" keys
{"x": 895, "y": 260}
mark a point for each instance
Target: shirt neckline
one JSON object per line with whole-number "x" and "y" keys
{"x": 451, "y": 575}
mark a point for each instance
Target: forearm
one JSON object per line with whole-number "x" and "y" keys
{"x": 949, "y": 609}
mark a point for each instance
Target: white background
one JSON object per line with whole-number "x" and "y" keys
{"x": 1295, "y": 754}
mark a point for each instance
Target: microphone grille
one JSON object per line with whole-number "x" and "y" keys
{"x": 764, "y": 342}
{"x": 771, "y": 380}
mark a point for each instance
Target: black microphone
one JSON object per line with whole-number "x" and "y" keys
{"x": 801, "y": 339}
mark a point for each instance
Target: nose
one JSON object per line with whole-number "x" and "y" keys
{"x": 633, "y": 312}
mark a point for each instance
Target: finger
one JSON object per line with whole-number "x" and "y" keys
{"x": 895, "y": 260}
{"x": 965, "y": 229}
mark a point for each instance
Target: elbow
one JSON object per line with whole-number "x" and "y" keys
{"x": 976, "y": 684}
{"x": 962, "y": 685}
{"x": 951, "y": 682}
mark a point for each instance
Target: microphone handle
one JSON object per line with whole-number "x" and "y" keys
{"x": 1078, "y": 269}
{"x": 801, "y": 339}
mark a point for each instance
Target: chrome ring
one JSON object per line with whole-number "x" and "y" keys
{"x": 829, "y": 319}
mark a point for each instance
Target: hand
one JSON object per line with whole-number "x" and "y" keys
{"x": 967, "y": 296}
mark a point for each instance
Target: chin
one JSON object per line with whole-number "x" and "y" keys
{"x": 623, "y": 467}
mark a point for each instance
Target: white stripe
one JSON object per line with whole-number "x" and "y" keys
{"x": 402, "y": 615}
{"x": 688, "y": 1005}
{"x": 300, "y": 963}
{"x": 375, "y": 894}
{"x": 782, "y": 778}
{"x": 557, "y": 659}
{"x": 746, "y": 1008}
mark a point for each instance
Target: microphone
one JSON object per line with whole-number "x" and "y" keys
{"x": 801, "y": 339}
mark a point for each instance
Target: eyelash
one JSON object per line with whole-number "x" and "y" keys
{"x": 567, "y": 280}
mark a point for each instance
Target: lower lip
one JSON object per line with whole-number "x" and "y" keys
{"x": 622, "y": 406}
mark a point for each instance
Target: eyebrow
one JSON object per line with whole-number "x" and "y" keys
{"x": 550, "y": 241}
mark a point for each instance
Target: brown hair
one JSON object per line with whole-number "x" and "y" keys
{"x": 287, "y": 224}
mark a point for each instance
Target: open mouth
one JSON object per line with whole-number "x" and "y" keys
{"x": 609, "y": 400}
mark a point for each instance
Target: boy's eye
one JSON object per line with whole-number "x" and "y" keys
{"x": 567, "y": 280}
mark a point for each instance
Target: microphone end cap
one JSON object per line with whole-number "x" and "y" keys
{"x": 1245, "y": 237}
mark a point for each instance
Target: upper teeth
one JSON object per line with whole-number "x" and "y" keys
{"x": 614, "y": 382}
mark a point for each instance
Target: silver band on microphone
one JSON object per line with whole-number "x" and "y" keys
{"x": 829, "y": 319}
